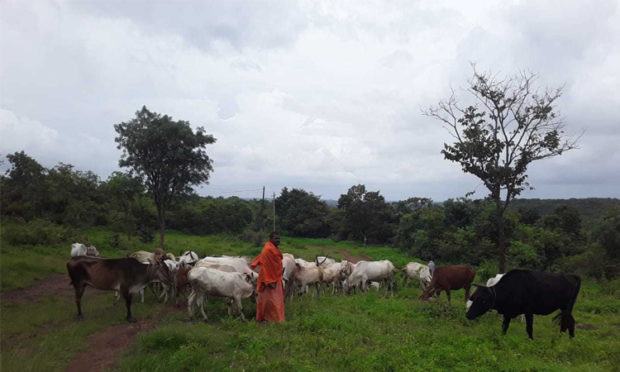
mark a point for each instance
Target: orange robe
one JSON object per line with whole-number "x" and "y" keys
{"x": 270, "y": 302}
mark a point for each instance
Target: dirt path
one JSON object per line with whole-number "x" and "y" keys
{"x": 55, "y": 284}
{"x": 104, "y": 347}
{"x": 348, "y": 256}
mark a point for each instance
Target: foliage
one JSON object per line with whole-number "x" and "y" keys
{"x": 515, "y": 126}
{"x": 23, "y": 188}
{"x": 166, "y": 155}
{"x": 367, "y": 217}
{"x": 34, "y": 232}
{"x": 302, "y": 214}
{"x": 211, "y": 215}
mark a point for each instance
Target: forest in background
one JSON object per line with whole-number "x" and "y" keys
{"x": 47, "y": 206}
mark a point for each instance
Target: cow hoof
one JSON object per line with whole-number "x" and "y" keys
{"x": 131, "y": 320}
{"x": 79, "y": 317}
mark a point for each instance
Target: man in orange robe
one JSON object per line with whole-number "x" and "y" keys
{"x": 270, "y": 302}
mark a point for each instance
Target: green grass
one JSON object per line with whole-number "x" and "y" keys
{"x": 363, "y": 332}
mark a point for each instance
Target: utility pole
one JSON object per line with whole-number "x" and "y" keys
{"x": 274, "y": 211}
{"x": 262, "y": 212}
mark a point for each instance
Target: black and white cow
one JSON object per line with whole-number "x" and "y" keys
{"x": 528, "y": 292}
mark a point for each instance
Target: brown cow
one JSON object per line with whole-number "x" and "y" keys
{"x": 126, "y": 275}
{"x": 447, "y": 278}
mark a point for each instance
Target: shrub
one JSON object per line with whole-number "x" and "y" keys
{"x": 35, "y": 232}
{"x": 252, "y": 236}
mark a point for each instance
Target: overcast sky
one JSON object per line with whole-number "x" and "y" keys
{"x": 319, "y": 95}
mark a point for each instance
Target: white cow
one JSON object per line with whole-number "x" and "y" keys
{"x": 308, "y": 274}
{"x": 79, "y": 249}
{"x": 211, "y": 282}
{"x": 419, "y": 272}
{"x": 142, "y": 256}
{"x": 365, "y": 271}
{"x": 239, "y": 263}
{"x": 332, "y": 275}
{"x": 188, "y": 257}
{"x": 324, "y": 261}
{"x": 216, "y": 266}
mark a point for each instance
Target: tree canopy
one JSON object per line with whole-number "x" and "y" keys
{"x": 510, "y": 125}
{"x": 167, "y": 155}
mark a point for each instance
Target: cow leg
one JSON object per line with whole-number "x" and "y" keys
{"x": 448, "y": 294}
{"x": 467, "y": 293}
{"x": 529, "y": 325}
{"x": 117, "y": 297}
{"x": 127, "y": 296}
{"x": 229, "y": 301}
{"x": 506, "y": 324}
{"x": 571, "y": 325}
{"x": 190, "y": 304}
{"x": 240, "y": 308}
{"x": 201, "y": 303}
{"x": 79, "y": 292}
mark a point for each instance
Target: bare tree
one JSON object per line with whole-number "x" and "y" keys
{"x": 510, "y": 125}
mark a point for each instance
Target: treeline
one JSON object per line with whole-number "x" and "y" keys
{"x": 54, "y": 201}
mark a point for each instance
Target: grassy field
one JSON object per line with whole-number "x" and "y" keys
{"x": 363, "y": 332}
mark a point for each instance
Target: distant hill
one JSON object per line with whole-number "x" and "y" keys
{"x": 331, "y": 202}
{"x": 591, "y": 210}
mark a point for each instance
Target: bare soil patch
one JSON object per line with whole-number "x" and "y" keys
{"x": 348, "y": 256}
{"x": 55, "y": 284}
{"x": 106, "y": 346}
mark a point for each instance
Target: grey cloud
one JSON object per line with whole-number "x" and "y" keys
{"x": 242, "y": 24}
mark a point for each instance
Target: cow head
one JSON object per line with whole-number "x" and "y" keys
{"x": 316, "y": 260}
{"x": 482, "y": 301}
{"x": 91, "y": 250}
{"x": 427, "y": 294}
{"x": 159, "y": 271}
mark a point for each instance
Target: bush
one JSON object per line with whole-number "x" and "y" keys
{"x": 252, "y": 236}
{"x": 35, "y": 232}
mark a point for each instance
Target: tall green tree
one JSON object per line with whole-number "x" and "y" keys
{"x": 366, "y": 214}
{"x": 302, "y": 213}
{"x": 23, "y": 187}
{"x": 167, "y": 155}
{"x": 511, "y": 124}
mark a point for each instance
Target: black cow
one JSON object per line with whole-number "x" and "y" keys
{"x": 528, "y": 292}
{"x": 126, "y": 275}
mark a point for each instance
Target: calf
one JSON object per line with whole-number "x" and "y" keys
{"x": 206, "y": 281}
{"x": 447, "y": 278}
{"x": 529, "y": 292}
{"x": 121, "y": 274}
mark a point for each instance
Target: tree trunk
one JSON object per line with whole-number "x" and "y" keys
{"x": 501, "y": 244}
{"x": 161, "y": 214}
{"x": 501, "y": 232}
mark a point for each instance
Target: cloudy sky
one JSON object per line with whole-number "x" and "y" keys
{"x": 319, "y": 95}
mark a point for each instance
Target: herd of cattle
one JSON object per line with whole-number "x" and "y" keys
{"x": 511, "y": 294}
